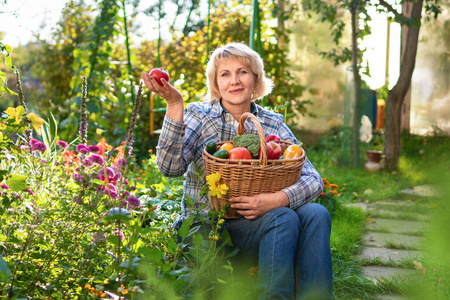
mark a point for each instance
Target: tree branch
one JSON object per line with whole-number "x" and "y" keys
{"x": 389, "y": 7}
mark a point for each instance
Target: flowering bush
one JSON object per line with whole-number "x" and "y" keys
{"x": 82, "y": 220}
{"x": 329, "y": 197}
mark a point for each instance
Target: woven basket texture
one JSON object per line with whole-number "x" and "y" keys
{"x": 248, "y": 177}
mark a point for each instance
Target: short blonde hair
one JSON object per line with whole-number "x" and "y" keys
{"x": 249, "y": 57}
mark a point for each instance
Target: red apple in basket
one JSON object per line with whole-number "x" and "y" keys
{"x": 273, "y": 150}
{"x": 272, "y": 138}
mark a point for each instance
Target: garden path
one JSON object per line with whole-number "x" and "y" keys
{"x": 394, "y": 237}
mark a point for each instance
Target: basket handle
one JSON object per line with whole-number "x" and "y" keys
{"x": 262, "y": 135}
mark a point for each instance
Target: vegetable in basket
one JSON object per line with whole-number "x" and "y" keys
{"x": 249, "y": 141}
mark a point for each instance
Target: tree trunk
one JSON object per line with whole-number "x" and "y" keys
{"x": 398, "y": 92}
{"x": 357, "y": 78}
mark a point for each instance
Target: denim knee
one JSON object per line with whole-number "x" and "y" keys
{"x": 284, "y": 218}
{"x": 313, "y": 212}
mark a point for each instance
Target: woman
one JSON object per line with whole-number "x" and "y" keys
{"x": 289, "y": 235}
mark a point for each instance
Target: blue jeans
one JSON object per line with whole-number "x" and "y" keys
{"x": 292, "y": 248}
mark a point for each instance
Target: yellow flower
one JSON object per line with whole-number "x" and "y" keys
{"x": 17, "y": 113}
{"x": 216, "y": 189}
{"x": 36, "y": 122}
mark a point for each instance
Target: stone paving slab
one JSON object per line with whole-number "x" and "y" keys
{"x": 361, "y": 205}
{"x": 398, "y": 215}
{"x": 391, "y": 203}
{"x": 376, "y": 273}
{"x": 427, "y": 190}
{"x": 387, "y": 255}
{"x": 380, "y": 239}
{"x": 396, "y": 226}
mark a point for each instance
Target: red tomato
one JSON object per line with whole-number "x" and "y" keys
{"x": 158, "y": 74}
{"x": 240, "y": 153}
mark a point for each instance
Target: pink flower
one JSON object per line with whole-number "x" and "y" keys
{"x": 4, "y": 186}
{"x": 30, "y": 191}
{"x": 82, "y": 148}
{"x": 120, "y": 234}
{"x": 62, "y": 144}
{"x": 95, "y": 158}
{"x": 94, "y": 148}
{"x": 38, "y": 146}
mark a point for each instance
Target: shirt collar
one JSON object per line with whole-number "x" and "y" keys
{"x": 217, "y": 109}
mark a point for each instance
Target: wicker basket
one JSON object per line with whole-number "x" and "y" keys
{"x": 252, "y": 176}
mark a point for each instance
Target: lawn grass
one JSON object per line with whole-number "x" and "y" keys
{"x": 424, "y": 160}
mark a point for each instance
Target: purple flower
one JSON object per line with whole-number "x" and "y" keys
{"x": 38, "y": 146}
{"x": 126, "y": 182}
{"x": 82, "y": 148}
{"x": 94, "y": 148}
{"x": 30, "y": 191}
{"x": 78, "y": 178}
{"x": 133, "y": 188}
{"x": 125, "y": 195}
{"x": 134, "y": 202}
{"x": 87, "y": 163}
{"x": 112, "y": 187}
{"x": 62, "y": 144}
{"x": 122, "y": 163}
{"x": 119, "y": 234}
{"x": 4, "y": 186}
{"x": 19, "y": 196}
{"x": 106, "y": 172}
{"x": 113, "y": 194}
{"x": 95, "y": 158}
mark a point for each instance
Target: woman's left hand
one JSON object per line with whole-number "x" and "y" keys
{"x": 252, "y": 207}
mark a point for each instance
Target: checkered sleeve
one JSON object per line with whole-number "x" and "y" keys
{"x": 169, "y": 151}
{"x": 177, "y": 144}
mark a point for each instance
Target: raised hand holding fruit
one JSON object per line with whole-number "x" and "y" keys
{"x": 158, "y": 74}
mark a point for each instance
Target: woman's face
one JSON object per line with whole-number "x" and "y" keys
{"x": 236, "y": 83}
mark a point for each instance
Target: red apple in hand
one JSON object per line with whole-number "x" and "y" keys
{"x": 272, "y": 138}
{"x": 158, "y": 74}
{"x": 273, "y": 150}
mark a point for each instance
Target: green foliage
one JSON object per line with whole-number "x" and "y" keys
{"x": 5, "y": 56}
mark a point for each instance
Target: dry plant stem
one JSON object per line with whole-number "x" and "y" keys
{"x": 130, "y": 136}
{"x": 83, "y": 114}
{"x": 19, "y": 87}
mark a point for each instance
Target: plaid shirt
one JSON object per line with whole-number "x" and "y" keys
{"x": 180, "y": 146}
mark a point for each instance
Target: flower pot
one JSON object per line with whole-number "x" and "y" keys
{"x": 374, "y": 157}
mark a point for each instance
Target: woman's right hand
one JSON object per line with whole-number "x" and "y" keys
{"x": 174, "y": 99}
{"x": 167, "y": 91}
